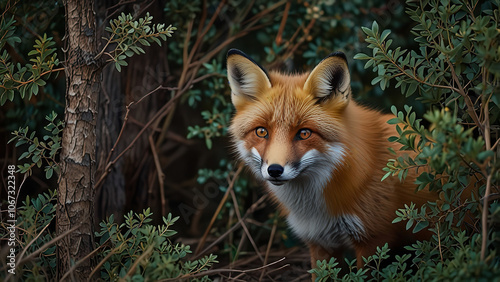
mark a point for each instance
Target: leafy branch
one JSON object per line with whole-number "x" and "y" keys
{"x": 128, "y": 34}
{"x": 39, "y": 151}
{"x": 27, "y": 79}
{"x": 457, "y": 70}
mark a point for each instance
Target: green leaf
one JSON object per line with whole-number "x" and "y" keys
{"x": 384, "y": 35}
{"x": 24, "y": 155}
{"x": 420, "y": 225}
{"x": 375, "y": 28}
{"x": 34, "y": 89}
{"x": 49, "y": 172}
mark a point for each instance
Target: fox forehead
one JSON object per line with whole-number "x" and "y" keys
{"x": 286, "y": 106}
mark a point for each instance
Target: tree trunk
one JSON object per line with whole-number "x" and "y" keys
{"x": 76, "y": 191}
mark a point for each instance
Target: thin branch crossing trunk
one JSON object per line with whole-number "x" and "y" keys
{"x": 76, "y": 191}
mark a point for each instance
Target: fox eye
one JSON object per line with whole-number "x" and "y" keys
{"x": 261, "y": 132}
{"x": 303, "y": 134}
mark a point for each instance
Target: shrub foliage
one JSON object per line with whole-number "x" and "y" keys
{"x": 455, "y": 73}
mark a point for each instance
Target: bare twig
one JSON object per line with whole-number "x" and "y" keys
{"x": 220, "y": 270}
{"x": 468, "y": 102}
{"x": 254, "y": 207}
{"x": 20, "y": 256}
{"x": 45, "y": 246}
{"x": 133, "y": 268}
{"x": 245, "y": 228}
{"x": 217, "y": 211}
{"x": 91, "y": 254}
{"x": 98, "y": 266}
{"x": 109, "y": 164}
{"x": 269, "y": 244}
{"x": 161, "y": 175}
{"x": 279, "y": 36}
{"x": 484, "y": 219}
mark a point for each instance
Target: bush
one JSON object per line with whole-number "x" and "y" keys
{"x": 134, "y": 250}
{"x": 455, "y": 72}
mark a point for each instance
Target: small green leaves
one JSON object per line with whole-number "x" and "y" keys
{"x": 455, "y": 73}
{"x": 126, "y": 34}
{"x": 136, "y": 239}
{"x": 7, "y": 32}
{"x": 26, "y": 80}
{"x": 40, "y": 151}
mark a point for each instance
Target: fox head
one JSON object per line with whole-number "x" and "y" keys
{"x": 289, "y": 127}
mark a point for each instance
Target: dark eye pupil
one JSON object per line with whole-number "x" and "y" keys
{"x": 304, "y": 133}
{"x": 261, "y": 132}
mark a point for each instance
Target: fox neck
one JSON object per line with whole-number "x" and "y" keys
{"x": 309, "y": 215}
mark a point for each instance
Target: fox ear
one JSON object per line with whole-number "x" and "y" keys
{"x": 247, "y": 79}
{"x": 330, "y": 80}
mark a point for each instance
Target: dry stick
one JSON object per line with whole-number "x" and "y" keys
{"x": 279, "y": 36}
{"x": 273, "y": 231}
{"x": 161, "y": 175}
{"x": 245, "y": 228}
{"x": 185, "y": 53}
{"x": 247, "y": 9}
{"x": 203, "y": 15}
{"x": 212, "y": 221}
{"x": 217, "y": 211}
{"x": 125, "y": 121}
{"x": 182, "y": 78}
{"x": 204, "y": 32}
{"x": 159, "y": 114}
{"x": 42, "y": 248}
{"x": 32, "y": 241}
{"x": 220, "y": 238}
{"x": 260, "y": 15}
{"x": 98, "y": 266}
{"x": 249, "y": 25}
{"x": 484, "y": 219}
{"x": 496, "y": 143}
{"x": 240, "y": 245}
{"x": 307, "y": 30}
{"x": 265, "y": 266}
{"x": 468, "y": 102}
{"x": 295, "y": 34}
{"x": 215, "y": 271}
{"x": 223, "y": 45}
{"x": 132, "y": 269}
{"x": 439, "y": 242}
{"x": 166, "y": 125}
{"x": 70, "y": 271}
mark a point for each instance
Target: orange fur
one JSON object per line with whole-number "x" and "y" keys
{"x": 335, "y": 174}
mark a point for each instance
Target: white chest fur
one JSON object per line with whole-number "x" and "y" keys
{"x": 309, "y": 217}
{"x": 303, "y": 196}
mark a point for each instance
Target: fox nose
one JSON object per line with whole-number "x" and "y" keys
{"x": 275, "y": 170}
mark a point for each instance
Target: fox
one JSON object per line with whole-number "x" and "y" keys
{"x": 320, "y": 155}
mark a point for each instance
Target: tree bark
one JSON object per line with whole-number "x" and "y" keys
{"x": 76, "y": 191}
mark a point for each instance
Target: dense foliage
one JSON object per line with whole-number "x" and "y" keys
{"x": 455, "y": 72}
{"x": 134, "y": 250}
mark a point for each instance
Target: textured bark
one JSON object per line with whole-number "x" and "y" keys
{"x": 76, "y": 192}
